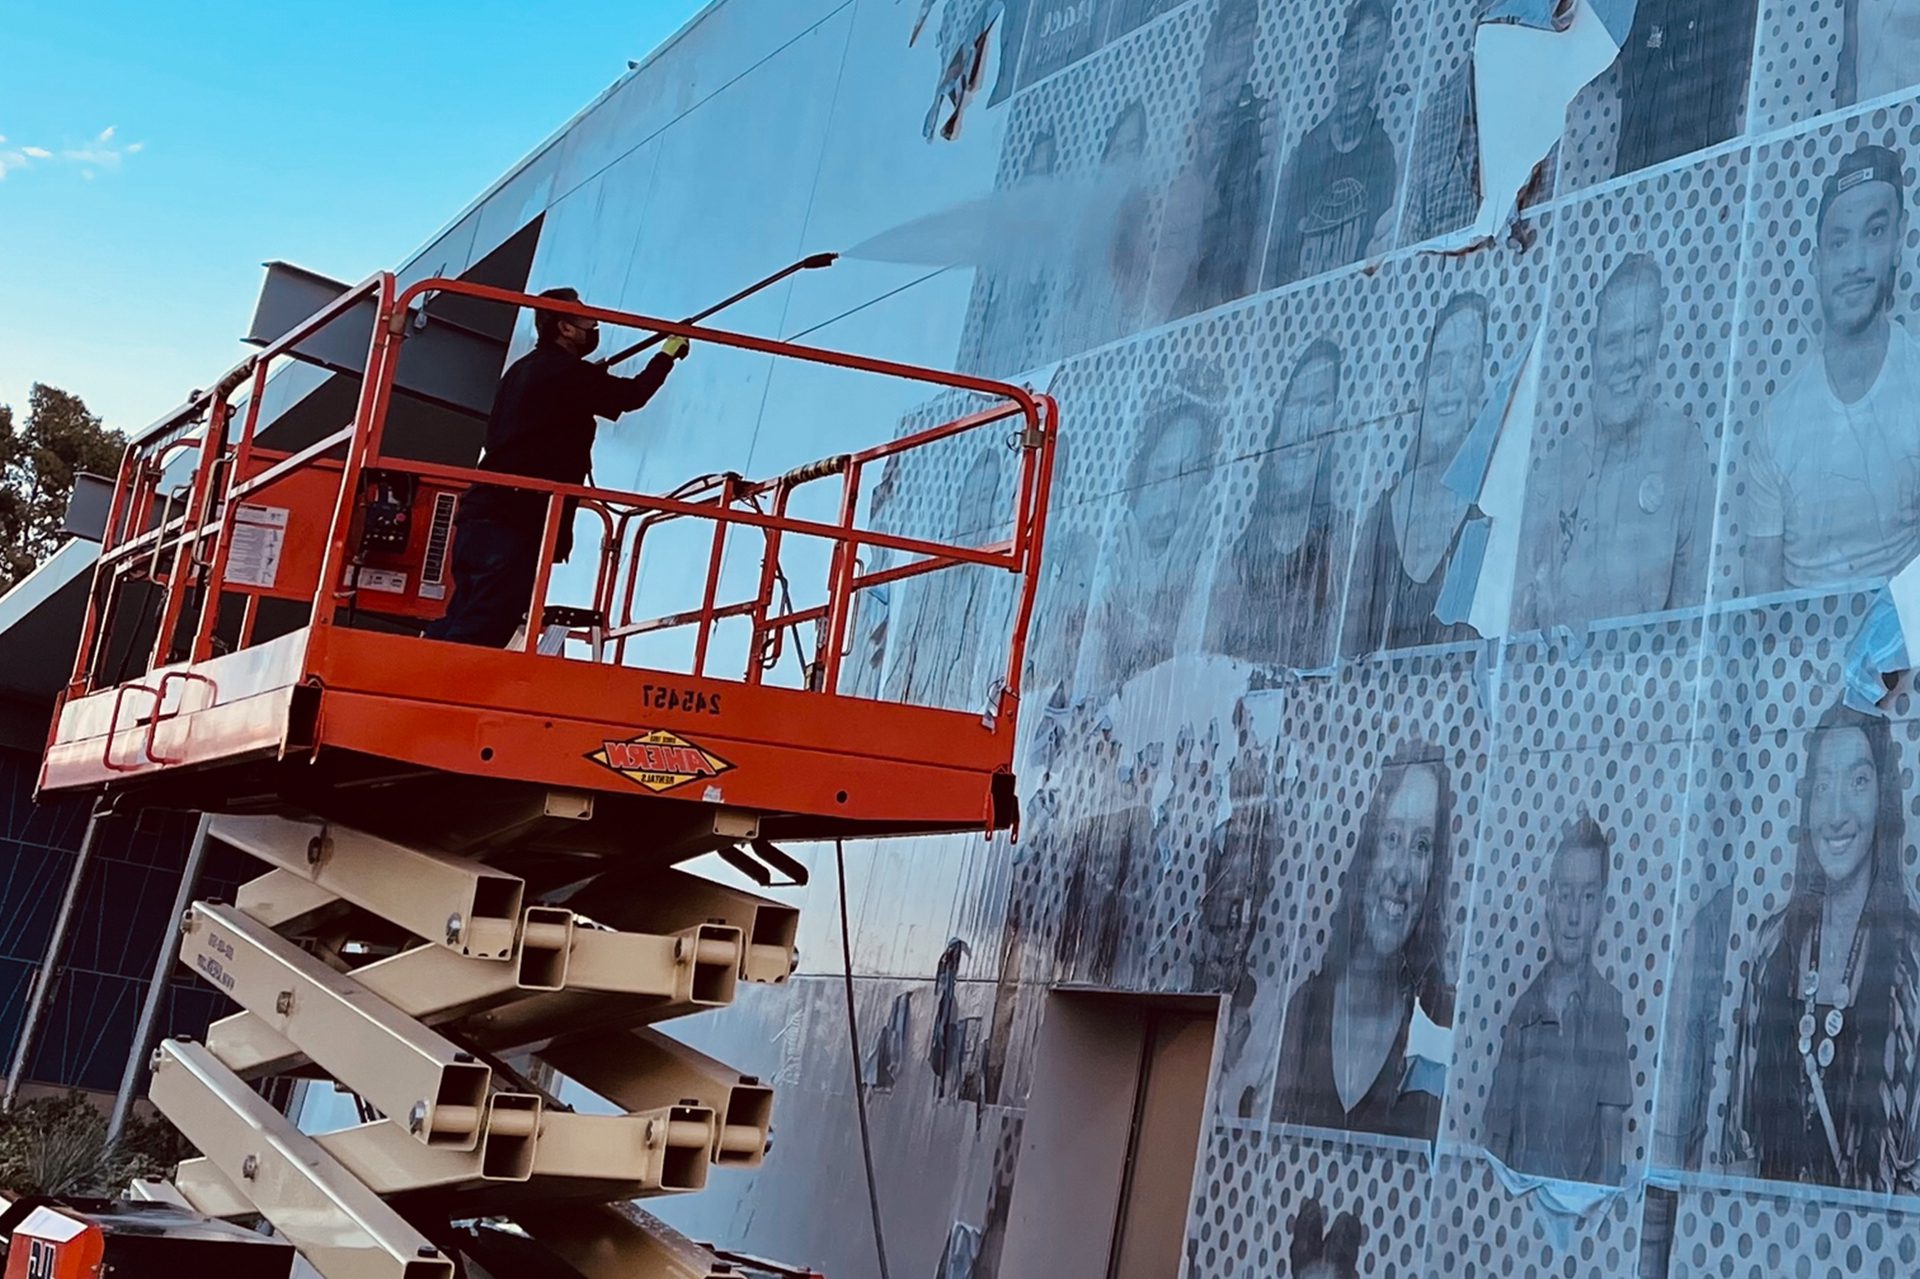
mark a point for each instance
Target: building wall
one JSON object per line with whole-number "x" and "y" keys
{"x": 123, "y": 915}
{"x": 1231, "y": 711}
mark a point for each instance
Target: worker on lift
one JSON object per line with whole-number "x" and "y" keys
{"x": 542, "y": 427}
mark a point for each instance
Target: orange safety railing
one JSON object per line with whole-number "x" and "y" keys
{"x": 179, "y": 541}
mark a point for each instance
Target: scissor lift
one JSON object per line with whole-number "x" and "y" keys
{"x": 473, "y": 886}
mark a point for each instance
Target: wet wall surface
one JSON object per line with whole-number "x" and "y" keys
{"x": 1440, "y": 655}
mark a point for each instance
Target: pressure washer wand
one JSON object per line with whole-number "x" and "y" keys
{"x": 813, "y": 263}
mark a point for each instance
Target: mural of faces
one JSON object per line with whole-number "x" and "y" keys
{"x": 1881, "y": 48}
{"x": 1843, "y": 794}
{"x": 1363, "y": 57}
{"x": 1627, "y": 333}
{"x": 1311, "y": 408}
{"x": 1344, "y": 1060}
{"x": 1833, "y": 490}
{"x": 1454, "y": 389}
{"x": 1575, "y": 897}
{"x": 1318, "y": 1250}
{"x": 1171, "y": 478}
{"x": 1400, "y": 876}
{"x": 1337, "y": 189}
{"x": 1564, "y": 1084}
{"x": 1826, "y": 1053}
{"x": 1855, "y": 256}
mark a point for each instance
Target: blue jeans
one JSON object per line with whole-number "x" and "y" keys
{"x": 494, "y": 565}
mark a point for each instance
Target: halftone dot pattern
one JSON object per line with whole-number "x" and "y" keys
{"x": 1224, "y": 346}
{"x": 1068, "y": 562}
{"x": 1228, "y": 1235}
{"x": 1637, "y": 795}
{"x": 1006, "y": 1162}
{"x": 1158, "y": 940}
{"x": 1514, "y": 285}
{"x": 1417, "y": 288}
{"x": 1443, "y": 99}
{"x": 1689, "y": 221}
{"x": 1731, "y": 1232}
{"x": 1588, "y": 148}
{"x": 1347, "y": 728}
{"x": 1450, "y": 28}
{"x": 1284, "y": 326}
{"x": 1207, "y": 360}
{"x": 1796, "y": 62}
{"x": 1097, "y": 394}
{"x": 1683, "y": 736}
{"x": 1157, "y": 66}
{"x": 1252, "y": 1185}
{"x": 1625, "y": 684}
{"x": 1265, "y": 809}
{"x": 1342, "y": 311}
{"x": 1479, "y": 1229}
{"x": 1780, "y": 322}
{"x": 920, "y": 493}
{"x": 946, "y": 631}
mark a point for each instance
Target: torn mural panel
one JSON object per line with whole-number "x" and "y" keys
{"x": 975, "y": 37}
{"x": 1526, "y": 73}
{"x": 888, "y": 1051}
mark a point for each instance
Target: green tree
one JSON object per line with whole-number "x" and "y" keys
{"x": 59, "y": 439}
{"x": 58, "y": 1146}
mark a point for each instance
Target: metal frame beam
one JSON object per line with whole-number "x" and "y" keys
{"x": 641, "y": 1069}
{"x": 450, "y": 901}
{"x": 352, "y": 1033}
{"x": 341, "y": 1226}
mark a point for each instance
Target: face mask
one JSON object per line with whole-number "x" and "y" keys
{"x": 590, "y": 343}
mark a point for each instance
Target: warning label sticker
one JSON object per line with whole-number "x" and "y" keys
{"x": 660, "y": 760}
{"x": 259, "y": 535}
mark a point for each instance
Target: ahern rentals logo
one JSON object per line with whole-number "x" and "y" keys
{"x": 660, "y": 760}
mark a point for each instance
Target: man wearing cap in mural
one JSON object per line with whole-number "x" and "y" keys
{"x": 1833, "y": 472}
{"x": 1560, "y": 1094}
{"x": 1619, "y": 514}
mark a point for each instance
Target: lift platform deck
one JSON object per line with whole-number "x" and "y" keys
{"x": 330, "y": 715}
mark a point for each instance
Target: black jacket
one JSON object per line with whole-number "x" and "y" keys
{"x": 542, "y": 426}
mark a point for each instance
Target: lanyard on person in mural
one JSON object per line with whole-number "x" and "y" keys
{"x": 1816, "y": 1060}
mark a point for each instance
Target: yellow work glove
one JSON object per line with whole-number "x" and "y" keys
{"x": 675, "y": 347}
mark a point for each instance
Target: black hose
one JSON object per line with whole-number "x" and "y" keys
{"x": 859, "y": 1078}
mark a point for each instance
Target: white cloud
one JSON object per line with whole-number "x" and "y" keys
{"x": 99, "y": 157}
{"x": 102, "y": 153}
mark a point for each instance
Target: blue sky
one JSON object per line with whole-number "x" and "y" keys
{"x": 337, "y": 135}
